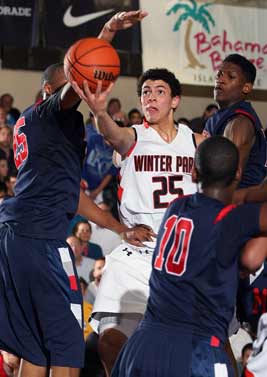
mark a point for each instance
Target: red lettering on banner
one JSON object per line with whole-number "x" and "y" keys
{"x": 215, "y": 40}
{"x": 216, "y": 60}
{"x": 238, "y": 46}
{"x": 252, "y": 47}
{"x": 258, "y": 62}
{"x": 226, "y": 45}
{"x": 220, "y": 45}
{"x": 201, "y": 40}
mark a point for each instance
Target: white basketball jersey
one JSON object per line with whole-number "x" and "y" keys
{"x": 153, "y": 174}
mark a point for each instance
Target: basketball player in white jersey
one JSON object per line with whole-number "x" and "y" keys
{"x": 157, "y": 158}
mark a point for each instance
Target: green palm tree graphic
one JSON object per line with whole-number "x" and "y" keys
{"x": 191, "y": 12}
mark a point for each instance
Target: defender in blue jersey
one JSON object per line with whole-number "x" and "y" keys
{"x": 40, "y": 299}
{"x": 238, "y": 121}
{"x": 194, "y": 279}
{"x": 236, "y": 118}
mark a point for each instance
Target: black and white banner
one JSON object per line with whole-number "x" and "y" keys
{"x": 66, "y": 21}
{"x": 17, "y": 22}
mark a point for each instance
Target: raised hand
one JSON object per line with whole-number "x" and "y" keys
{"x": 96, "y": 101}
{"x": 125, "y": 20}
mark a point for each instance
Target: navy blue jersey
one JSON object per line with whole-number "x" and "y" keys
{"x": 195, "y": 264}
{"x": 252, "y": 298}
{"x": 48, "y": 153}
{"x": 255, "y": 169}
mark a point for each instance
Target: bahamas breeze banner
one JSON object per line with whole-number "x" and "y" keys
{"x": 17, "y": 22}
{"x": 192, "y": 37}
{"x": 66, "y": 21}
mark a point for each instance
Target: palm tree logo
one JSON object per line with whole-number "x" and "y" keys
{"x": 191, "y": 12}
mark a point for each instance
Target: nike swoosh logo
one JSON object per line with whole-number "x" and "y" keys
{"x": 71, "y": 21}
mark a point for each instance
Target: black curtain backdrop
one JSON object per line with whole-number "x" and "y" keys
{"x": 66, "y": 21}
{"x": 18, "y": 23}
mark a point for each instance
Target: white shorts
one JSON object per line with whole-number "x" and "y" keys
{"x": 124, "y": 284}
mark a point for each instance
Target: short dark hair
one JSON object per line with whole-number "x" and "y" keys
{"x": 248, "y": 346}
{"x": 114, "y": 100}
{"x": 3, "y": 187}
{"x": 51, "y": 72}
{"x": 133, "y": 111}
{"x": 216, "y": 161}
{"x": 76, "y": 226}
{"x": 212, "y": 106}
{"x": 248, "y": 69}
{"x": 83, "y": 281}
{"x": 160, "y": 74}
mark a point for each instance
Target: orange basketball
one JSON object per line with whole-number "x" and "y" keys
{"x": 92, "y": 59}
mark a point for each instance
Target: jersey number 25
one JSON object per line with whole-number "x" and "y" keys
{"x": 174, "y": 257}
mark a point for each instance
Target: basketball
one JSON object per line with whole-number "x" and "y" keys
{"x": 94, "y": 60}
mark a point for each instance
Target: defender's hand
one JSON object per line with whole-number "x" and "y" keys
{"x": 125, "y": 20}
{"x": 138, "y": 234}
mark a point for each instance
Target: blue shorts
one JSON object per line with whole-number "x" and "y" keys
{"x": 157, "y": 350}
{"x": 209, "y": 358}
{"x": 40, "y": 301}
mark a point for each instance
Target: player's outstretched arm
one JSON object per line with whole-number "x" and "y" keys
{"x": 253, "y": 194}
{"x": 121, "y": 21}
{"x": 120, "y": 138}
{"x": 136, "y": 235}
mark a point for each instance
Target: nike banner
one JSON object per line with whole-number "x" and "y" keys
{"x": 66, "y": 21}
{"x": 18, "y": 23}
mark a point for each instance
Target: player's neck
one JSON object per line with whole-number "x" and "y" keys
{"x": 167, "y": 131}
{"x": 224, "y": 104}
{"x": 224, "y": 195}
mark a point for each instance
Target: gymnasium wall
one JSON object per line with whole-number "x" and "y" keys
{"x": 24, "y": 85}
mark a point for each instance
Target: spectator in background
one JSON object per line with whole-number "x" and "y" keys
{"x": 5, "y": 148}
{"x": 98, "y": 169}
{"x": 134, "y": 117}
{"x": 184, "y": 121}
{"x": 104, "y": 237}
{"x": 198, "y": 124}
{"x": 3, "y": 169}
{"x": 10, "y": 182}
{"x": 115, "y": 112}
{"x": 87, "y": 308}
{"x": 83, "y": 230}
{"x": 83, "y": 264}
{"x": 6, "y": 100}
{"x": 245, "y": 353}
{"x": 3, "y": 194}
{"x": 3, "y": 117}
{"x": 93, "y": 285}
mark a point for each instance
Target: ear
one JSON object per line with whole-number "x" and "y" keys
{"x": 247, "y": 88}
{"x": 194, "y": 174}
{"x": 175, "y": 102}
{"x": 47, "y": 88}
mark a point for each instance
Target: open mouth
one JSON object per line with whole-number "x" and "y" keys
{"x": 151, "y": 110}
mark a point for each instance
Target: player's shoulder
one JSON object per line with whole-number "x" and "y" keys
{"x": 141, "y": 128}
